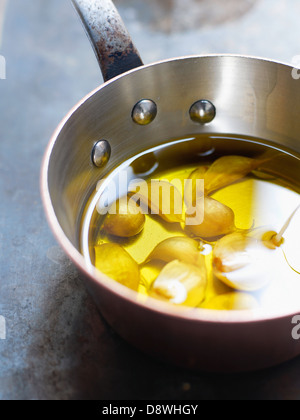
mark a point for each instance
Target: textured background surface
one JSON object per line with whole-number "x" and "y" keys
{"x": 58, "y": 346}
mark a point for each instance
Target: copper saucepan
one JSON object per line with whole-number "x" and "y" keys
{"x": 251, "y": 97}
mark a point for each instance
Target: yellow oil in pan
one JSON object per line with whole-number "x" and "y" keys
{"x": 209, "y": 222}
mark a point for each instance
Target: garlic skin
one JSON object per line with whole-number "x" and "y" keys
{"x": 178, "y": 248}
{"x": 181, "y": 284}
{"x": 113, "y": 261}
{"x": 243, "y": 263}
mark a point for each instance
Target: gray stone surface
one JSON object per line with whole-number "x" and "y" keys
{"x": 57, "y": 345}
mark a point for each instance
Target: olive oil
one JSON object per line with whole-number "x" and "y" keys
{"x": 249, "y": 188}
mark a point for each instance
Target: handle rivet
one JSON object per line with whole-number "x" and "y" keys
{"x": 144, "y": 112}
{"x": 101, "y": 153}
{"x": 203, "y": 112}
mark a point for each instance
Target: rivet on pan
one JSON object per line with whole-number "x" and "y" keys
{"x": 203, "y": 112}
{"x": 101, "y": 153}
{"x": 144, "y": 112}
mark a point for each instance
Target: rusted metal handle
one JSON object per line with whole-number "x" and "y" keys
{"x": 111, "y": 41}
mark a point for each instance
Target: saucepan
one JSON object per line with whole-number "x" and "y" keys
{"x": 136, "y": 109}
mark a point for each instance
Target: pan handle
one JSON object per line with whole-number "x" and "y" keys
{"x": 110, "y": 39}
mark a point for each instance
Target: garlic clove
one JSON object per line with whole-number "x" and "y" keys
{"x": 178, "y": 248}
{"x": 234, "y": 301}
{"x": 113, "y": 261}
{"x": 128, "y": 221}
{"x": 195, "y": 187}
{"x": 243, "y": 263}
{"x": 227, "y": 170}
{"x": 215, "y": 220}
{"x": 162, "y": 198}
{"x": 181, "y": 284}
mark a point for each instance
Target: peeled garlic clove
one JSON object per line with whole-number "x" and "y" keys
{"x": 235, "y": 301}
{"x": 215, "y": 220}
{"x": 197, "y": 188}
{"x": 181, "y": 284}
{"x": 179, "y": 248}
{"x": 243, "y": 263}
{"x": 127, "y": 222}
{"x": 230, "y": 252}
{"x": 227, "y": 170}
{"x": 162, "y": 198}
{"x": 113, "y": 261}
